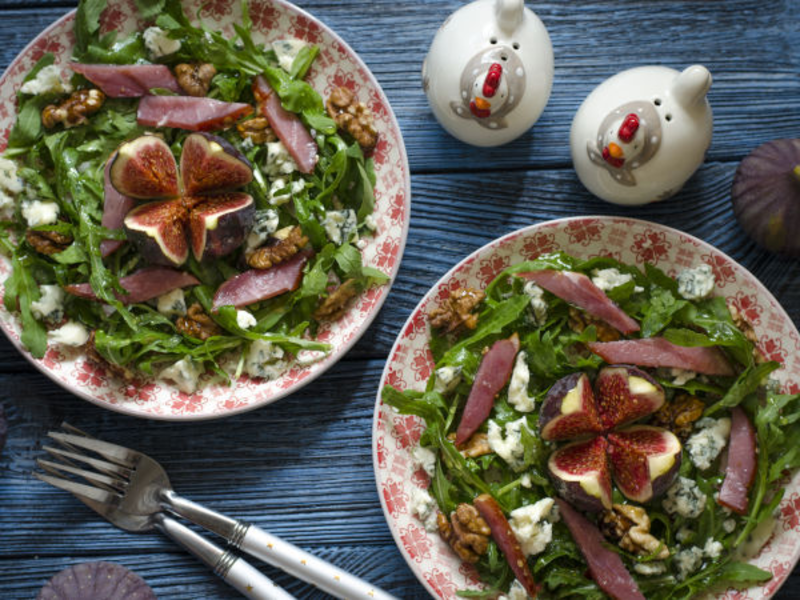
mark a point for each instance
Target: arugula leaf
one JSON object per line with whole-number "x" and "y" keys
{"x": 659, "y": 311}
{"x": 87, "y": 24}
{"x": 302, "y": 62}
{"x": 747, "y": 383}
{"x": 150, "y": 8}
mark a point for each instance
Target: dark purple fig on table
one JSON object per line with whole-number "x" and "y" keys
{"x": 569, "y": 409}
{"x": 219, "y": 224}
{"x": 580, "y": 474}
{"x": 644, "y": 461}
{"x": 625, "y": 394}
{"x": 766, "y": 196}
{"x": 209, "y": 164}
{"x": 96, "y": 581}
{"x": 160, "y": 231}
{"x": 3, "y": 428}
{"x": 145, "y": 168}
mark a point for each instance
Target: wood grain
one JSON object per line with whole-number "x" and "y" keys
{"x": 302, "y": 468}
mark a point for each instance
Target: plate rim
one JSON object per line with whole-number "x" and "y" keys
{"x": 376, "y": 417}
{"x": 329, "y": 361}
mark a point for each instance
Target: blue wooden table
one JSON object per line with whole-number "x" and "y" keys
{"x": 302, "y": 468}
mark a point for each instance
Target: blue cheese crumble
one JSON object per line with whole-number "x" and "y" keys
{"x": 424, "y": 507}
{"x": 518, "y": 387}
{"x": 69, "y": 334}
{"x": 245, "y": 319}
{"x": 685, "y": 499}
{"x": 533, "y": 525}
{"x": 47, "y": 81}
{"x": 158, "y": 42}
{"x": 425, "y": 458}
{"x": 538, "y": 303}
{"x": 10, "y": 185}
{"x": 172, "y": 304}
{"x": 185, "y": 374}
{"x": 50, "y": 305}
{"x": 340, "y": 225}
{"x": 38, "y": 213}
{"x": 264, "y": 360}
{"x": 697, "y": 283}
{"x": 447, "y": 379}
{"x": 515, "y": 592}
{"x": 279, "y": 161}
{"x": 509, "y": 447}
{"x": 705, "y": 445}
{"x": 687, "y": 561}
{"x": 650, "y": 568}
{"x": 286, "y": 51}
{"x": 266, "y": 223}
{"x": 281, "y": 190}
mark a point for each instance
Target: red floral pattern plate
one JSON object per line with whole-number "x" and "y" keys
{"x": 628, "y": 240}
{"x": 337, "y": 65}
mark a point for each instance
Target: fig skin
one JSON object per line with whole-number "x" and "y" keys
{"x": 617, "y": 403}
{"x": 554, "y": 425}
{"x": 149, "y": 175}
{"x": 568, "y": 485}
{"x": 231, "y": 228}
{"x": 148, "y": 225}
{"x": 629, "y": 462}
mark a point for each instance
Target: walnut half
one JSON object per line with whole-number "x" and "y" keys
{"x": 282, "y": 250}
{"x": 195, "y": 78}
{"x": 353, "y": 117}
{"x": 47, "y": 242}
{"x": 629, "y": 526}
{"x": 457, "y": 310}
{"x": 74, "y": 110}
{"x": 466, "y": 532}
{"x": 197, "y": 324}
{"x": 679, "y": 415}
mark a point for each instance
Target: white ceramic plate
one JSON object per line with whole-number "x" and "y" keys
{"x": 337, "y": 65}
{"x": 630, "y": 241}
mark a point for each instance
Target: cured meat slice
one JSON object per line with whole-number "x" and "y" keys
{"x": 188, "y": 112}
{"x": 578, "y": 289}
{"x": 143, "y": 285}
{"x": 605, "y": 565}
{"x": 492, "y": 376}
{"x": 741, "y": 469}
{"x": 660, "y": 352}
{"x": 115, "y": 207}
{"x": 505, "y": 539}
{"x": 287, "y": 126}
{"x": 260, "y": 284}
{"x": 128, "y": 81}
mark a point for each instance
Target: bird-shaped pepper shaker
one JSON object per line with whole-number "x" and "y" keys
{"x": 489, "y": 72}
{"x": 640, "y": 135}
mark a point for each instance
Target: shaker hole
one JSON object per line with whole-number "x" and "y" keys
{"x": 515, "y": 45}
{"x": 503, "y": 57}
{"x": 657, "y": 101}
{"x": 668, "y": 116}
{"x": 493, "y": 40}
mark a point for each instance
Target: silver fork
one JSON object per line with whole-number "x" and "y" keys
{"x": 139, "y": 487}
{"x": 110, "y": 479}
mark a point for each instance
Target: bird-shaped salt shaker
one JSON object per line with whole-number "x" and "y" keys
{"x": 641, "y": 134}
{"x": 489, "y": 72}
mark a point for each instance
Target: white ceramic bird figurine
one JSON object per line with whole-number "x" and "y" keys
{"x": 489, "y": 72}
{"x": 640, "y": 135}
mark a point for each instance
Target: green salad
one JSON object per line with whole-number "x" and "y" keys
{"x": 66, "y": 286}
{"x": 597, "y": 431}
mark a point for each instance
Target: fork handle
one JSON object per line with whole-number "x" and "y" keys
{"x": 236, "y": 572}
{"x": 276, "y": 552}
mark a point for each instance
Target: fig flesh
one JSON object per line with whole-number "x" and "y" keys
{"x": 569, "y": 409}
{"x": 197, "y": 206}
{"x": 625, "y": 394}
{"x": 145, "y": 168}
{"x": 644, "y": 461}
{"x": 580, "y": 473}
{"x": 209, "y": 164}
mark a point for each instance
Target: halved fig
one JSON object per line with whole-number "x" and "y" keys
{"x": 581, "y": 475}
{"x": 145, "y": 168}
{"x": 219, "y": 223}
{"x": 644, "y": 460}
{"x": 210, "y": 164}
{"x": 625, "y": 394}
{"x": 569, "y": 409}
{"x": 159, "y": 230}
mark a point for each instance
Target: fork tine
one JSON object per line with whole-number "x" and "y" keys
{"x": 118, "y": 454}
{"x": 90, "y": 476}
{"x": 101, "y": 465}
{"x": 79, "y": 489}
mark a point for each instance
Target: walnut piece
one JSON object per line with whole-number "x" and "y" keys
{"x": 278, "y": 252}
{"x": 257, "y": 130}
{"x": 579, "y": 321}
{"x": 353, "y": 117}
{"x": 466, "y": 532}
{"x": 336, "y": 303}
{"x": 457, "y": 310}
{"x": 629, "y": 526}
{"x": 679, "y": 414}
{"x": 47, "y": 242}
{"x": 119, "y": 370}
{"x": 197, "y": 324}
{"x": 477, "y": 445}
{"x": 74, "y": 110}
{"x": 195, "y": 78}
{"x": 747, "y": 329}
